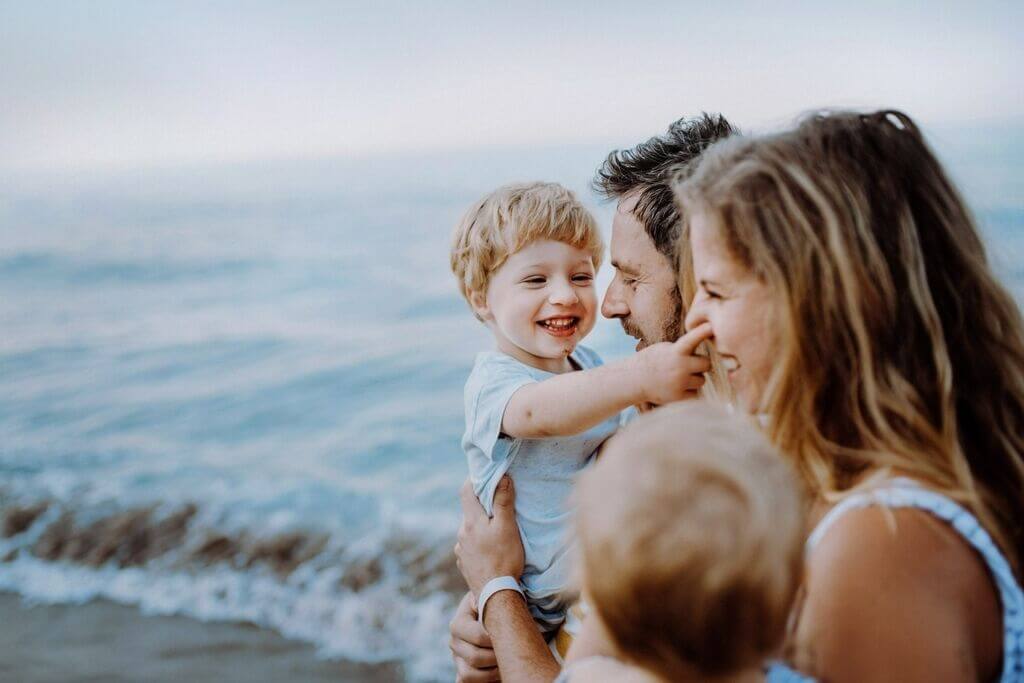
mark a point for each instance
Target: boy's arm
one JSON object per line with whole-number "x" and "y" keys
{"x": 576, "y": 401}
{"x": 571, "y": 403}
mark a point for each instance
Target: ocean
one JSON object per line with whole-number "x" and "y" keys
{"x": 235, "y": 392}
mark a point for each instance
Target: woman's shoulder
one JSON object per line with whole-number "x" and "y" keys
{"x": 890, "y": 580}
{"x": 905, "y": 544}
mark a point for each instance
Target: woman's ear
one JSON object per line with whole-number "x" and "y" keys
{"x": 478, "y": 300}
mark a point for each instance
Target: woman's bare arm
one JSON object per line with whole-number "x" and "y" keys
{"x": 895, "y": 595}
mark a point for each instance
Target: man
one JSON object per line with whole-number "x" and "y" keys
{"x": 645, "y": 296}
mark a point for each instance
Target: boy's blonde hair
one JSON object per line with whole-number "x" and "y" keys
{"x": 510, "y": 218}
{"x": 691, "y": 530}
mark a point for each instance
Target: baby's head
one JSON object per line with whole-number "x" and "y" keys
{"x": 525, "y": 257}
{"x": 691, "y": 531}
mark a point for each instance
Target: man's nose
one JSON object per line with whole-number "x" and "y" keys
{"x": 696, "y": 315}
{"x": 613, "y": 305}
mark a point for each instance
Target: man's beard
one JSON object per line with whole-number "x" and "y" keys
{"x": 670, "y": 327}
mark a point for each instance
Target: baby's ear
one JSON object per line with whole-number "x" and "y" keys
{"x": 478, "y": 300}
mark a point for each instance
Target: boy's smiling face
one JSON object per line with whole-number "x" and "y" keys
{"x": 540, "y": 303}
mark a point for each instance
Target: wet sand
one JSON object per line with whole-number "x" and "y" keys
{"x": 102, "y": 641}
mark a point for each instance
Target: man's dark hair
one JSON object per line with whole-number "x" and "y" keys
{"x": 649, "y": 166}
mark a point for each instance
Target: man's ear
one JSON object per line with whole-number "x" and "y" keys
{"x": 478, "y": 300}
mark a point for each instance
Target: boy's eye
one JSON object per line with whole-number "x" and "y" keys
{"x": 582, "y": 278}
{"x": 535, "y": 280}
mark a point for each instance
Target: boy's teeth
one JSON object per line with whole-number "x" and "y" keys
{"x": 730, "y": 363}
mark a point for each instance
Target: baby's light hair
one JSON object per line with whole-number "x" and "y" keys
{"x": 691, "y": 529}
{"x": 509, "y": 219}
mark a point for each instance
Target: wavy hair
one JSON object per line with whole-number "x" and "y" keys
{"x": 901, "y": 352}
{"x": 648, "y": 169}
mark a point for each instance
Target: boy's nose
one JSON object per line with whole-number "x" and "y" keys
{"x": 563, "y": 294}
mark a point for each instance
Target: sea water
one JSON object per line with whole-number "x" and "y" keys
{"x": 235, "y": 393}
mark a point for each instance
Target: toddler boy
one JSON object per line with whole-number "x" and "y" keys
{"x": 540, "y": 405}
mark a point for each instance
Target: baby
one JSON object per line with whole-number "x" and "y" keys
{"x": 540, "y": 405}
{"x": 690, "y": 530}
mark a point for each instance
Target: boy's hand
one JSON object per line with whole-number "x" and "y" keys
{"x": 669, "y": 371}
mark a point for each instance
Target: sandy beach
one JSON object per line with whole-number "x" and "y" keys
{"x": 102, "y": 641}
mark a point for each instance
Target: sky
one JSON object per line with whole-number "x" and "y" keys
{"x": 104, "y": 84}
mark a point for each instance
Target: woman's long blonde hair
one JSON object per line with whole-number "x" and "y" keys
{"x": 900, "y": 350}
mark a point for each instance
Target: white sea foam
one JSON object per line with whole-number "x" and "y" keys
{"x": 375, "y": 621}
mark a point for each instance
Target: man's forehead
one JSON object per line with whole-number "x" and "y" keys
{"x": 627, "y": 204}
{"x": 630, "y": 244}
{"x": 627, "y": 231}
{"x": 625, "y": 265}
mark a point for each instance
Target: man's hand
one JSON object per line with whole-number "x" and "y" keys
{"x": 471, "y": 648}
{"x": 489, "y": 547}
{"x": 670, "y": 371}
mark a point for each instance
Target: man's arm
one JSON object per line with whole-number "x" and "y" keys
{"x": 488, "y": 548}
{"x": 576, "y": 401}
{"x": 523, "y": 656}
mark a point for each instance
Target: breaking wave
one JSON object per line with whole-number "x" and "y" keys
{"x": 386, "y": 597}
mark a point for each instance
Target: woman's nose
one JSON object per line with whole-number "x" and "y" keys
{"x": 697, "y": 313}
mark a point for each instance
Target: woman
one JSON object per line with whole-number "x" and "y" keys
{"x": 851, "y": 302}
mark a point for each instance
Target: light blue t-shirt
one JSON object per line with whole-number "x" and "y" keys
{"x": 543, "y": 470}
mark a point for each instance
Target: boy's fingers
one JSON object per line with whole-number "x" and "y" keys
{"x": 701, "y": 364}
{"x": 688, "y": 343}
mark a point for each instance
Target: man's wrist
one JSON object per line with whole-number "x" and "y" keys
{"x": 502, "y": 603}
{"x": 494, "y": 587}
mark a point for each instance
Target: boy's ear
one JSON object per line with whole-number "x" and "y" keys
{"x": 478, "y": 300}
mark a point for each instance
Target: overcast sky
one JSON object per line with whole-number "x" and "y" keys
{"x": 87, "y": 84}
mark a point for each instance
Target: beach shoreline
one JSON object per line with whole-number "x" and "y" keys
{"x": 104, "y": 641}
